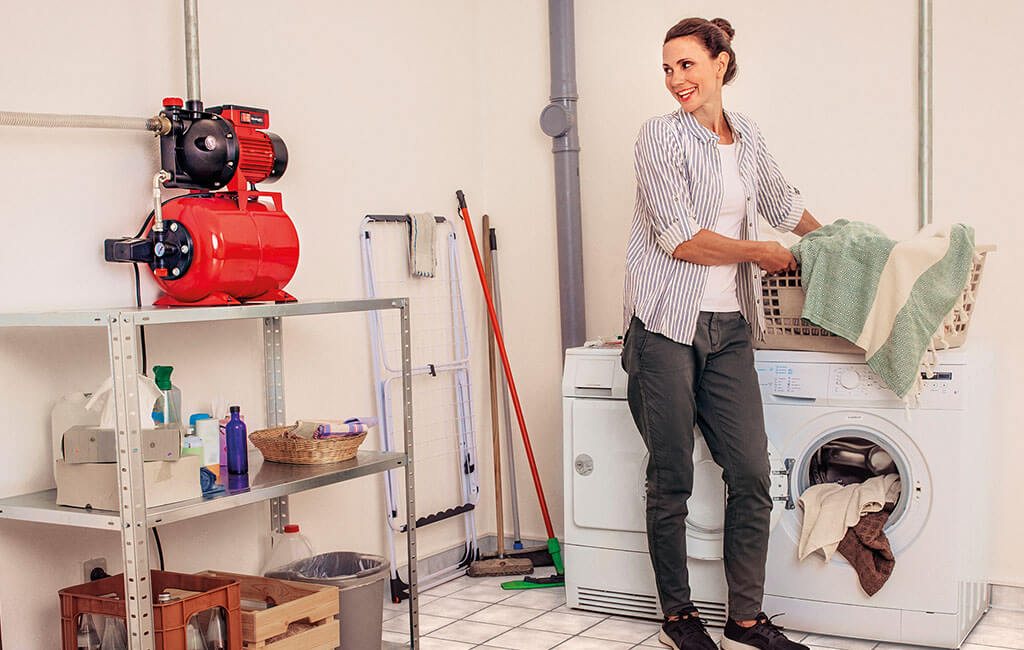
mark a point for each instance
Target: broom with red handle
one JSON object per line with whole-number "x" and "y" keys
{"x": 553, "y": 546}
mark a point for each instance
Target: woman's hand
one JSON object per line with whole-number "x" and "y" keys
{"x": 775, "y": 258}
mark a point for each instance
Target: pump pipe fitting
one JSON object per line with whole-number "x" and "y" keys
{"x": 195, "y": 99}
{"x": 158, "y": 213}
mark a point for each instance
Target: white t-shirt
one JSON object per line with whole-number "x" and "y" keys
{"x": 720, "y": 290}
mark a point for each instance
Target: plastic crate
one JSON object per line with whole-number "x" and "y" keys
{"x": 782, "y": 297}
{"x": 106, "y": 598}
{"x": 292, "y": 602}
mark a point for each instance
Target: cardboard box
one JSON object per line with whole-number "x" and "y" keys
{"x": 95, "y": 484}
{"x": 93, "y": 444}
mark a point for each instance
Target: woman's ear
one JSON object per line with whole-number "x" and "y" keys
{"x": 721, "y": 64}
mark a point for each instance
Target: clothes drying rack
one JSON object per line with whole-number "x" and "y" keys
{"x": 445, "y": 444}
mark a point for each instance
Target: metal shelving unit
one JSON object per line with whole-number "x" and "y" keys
{"x": 267, "y": 481}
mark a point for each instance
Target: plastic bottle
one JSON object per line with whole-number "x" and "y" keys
{"x": 88, "y": 637}
{"x": 193, "y": 444}
{"x": 115, "y": 635}
{"x": 238, "y": 450}
{"x": 209, "y": 431}
{"x": 287, "y": 547}
{"x": 216, "y": 631}
{"x": 168, "y": 407}
{"x": 194, "y": 636}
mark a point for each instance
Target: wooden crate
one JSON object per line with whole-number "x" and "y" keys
{"x": 294, "y": 602}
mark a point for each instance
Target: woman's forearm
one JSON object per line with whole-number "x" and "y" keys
{"x": 711, "y": 249}
{"x": 806, "y": 225}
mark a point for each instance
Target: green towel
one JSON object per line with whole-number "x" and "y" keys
{"x": 887, "y": 297}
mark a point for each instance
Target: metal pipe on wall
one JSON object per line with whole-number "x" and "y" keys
{"x": 192, "y": 54}
{"x": 58, "y": 120}
{"x": 924, "y": 98}
{"x": 558, "y": 120}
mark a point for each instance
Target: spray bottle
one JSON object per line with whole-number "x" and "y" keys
{"x": 168, "y": 408}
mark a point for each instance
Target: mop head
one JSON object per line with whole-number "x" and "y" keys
{"x": 507, "y": 566}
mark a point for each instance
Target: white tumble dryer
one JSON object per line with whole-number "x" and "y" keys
{"x": 608, "y": 568}
{"x": 821, "y": 411}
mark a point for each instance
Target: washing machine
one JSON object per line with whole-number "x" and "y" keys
{"x": 605, "y": 464}
{"x": 821, "y": 410}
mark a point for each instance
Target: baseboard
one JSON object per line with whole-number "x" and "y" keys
{"x": 1008, "y": 597}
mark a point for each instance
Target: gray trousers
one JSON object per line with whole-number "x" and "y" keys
{"x": 711, "y": 383}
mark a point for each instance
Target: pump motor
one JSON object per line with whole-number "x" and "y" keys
{"x": 218, "y": 244}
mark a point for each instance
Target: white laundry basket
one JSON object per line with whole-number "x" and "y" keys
{"x": 783, "y": 302}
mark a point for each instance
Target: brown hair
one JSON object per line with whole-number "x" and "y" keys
{"x": 716, "y": 35}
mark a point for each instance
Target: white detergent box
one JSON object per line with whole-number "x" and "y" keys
{"x": 93, "y": 444}
{"x": 94, "y": 485}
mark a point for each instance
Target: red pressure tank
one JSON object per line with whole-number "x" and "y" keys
{"x": 221, "y": 254}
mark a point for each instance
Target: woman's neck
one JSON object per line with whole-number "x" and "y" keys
{"x": 712, "y": 117}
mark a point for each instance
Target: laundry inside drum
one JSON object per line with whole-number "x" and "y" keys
{"x": 848, "y": 460}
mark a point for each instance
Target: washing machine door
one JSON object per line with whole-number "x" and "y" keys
{"x": 801, "y": 450}
{"x": 610, "y": 478}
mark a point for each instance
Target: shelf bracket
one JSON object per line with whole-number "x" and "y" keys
{"x": 272, "y": 356}
{"x": 410, "y": 482}
{"x": 122, "y": 334}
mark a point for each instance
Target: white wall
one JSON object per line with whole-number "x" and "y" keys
{"x": 389, "y": 107}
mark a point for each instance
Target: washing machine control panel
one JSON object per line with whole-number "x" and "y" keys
{"x": 840, "y": 384}
{"x": 857, "y": 382}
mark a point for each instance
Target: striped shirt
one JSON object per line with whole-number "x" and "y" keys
{"x": 679, "y": 192}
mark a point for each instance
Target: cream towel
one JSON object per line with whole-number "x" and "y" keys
{"x": 422, "y": 257}
{"x": 830, "y": 508}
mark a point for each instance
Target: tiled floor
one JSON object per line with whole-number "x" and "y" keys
{"x": 477, "y": 613}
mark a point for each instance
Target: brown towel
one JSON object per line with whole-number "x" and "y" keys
{"x": 866, "y": 547}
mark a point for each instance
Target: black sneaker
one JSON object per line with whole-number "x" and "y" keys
{"x": 686, "y": 634}
{"x": 763, "y": 635}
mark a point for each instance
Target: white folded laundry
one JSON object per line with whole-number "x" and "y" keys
{"x": 830, "y": 508}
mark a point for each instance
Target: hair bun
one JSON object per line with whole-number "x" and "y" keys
{"x": 725, "y": 26}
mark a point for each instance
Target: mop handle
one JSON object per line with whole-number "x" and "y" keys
{"x": 464, "y": 213}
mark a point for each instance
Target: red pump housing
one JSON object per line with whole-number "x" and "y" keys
{"x": 238, "y": 255}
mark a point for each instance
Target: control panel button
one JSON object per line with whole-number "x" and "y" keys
{"x": 850, "y": 379}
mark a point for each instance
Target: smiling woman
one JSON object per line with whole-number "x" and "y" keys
{"x": 692, "y": 306}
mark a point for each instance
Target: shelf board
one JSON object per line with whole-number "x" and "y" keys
{"x": 265, "y": 481}
{"x": 161, "y": 315}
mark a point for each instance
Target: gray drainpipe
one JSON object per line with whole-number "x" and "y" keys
{"x": 924, "y": 118}
{"x": 558, "y": 120}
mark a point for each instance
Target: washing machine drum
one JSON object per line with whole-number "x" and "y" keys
{"x": 849, "y": 447}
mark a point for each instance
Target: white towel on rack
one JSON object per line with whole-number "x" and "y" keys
{"x": 422, "y": 256}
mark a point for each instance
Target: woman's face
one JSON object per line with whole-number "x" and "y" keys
{"x": 691, "y": 75}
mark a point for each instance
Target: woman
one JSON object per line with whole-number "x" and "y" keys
{"x": 692, "y": 303}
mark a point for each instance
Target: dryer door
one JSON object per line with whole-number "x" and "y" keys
{"x": 610, "y": 478}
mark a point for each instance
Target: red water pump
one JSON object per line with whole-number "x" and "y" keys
{"x": 219, "y": 244}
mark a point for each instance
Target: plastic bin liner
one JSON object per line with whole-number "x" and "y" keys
{"x": 342, "y": 569}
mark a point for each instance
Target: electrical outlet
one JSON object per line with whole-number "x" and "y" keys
{"x": 95, "y": 563}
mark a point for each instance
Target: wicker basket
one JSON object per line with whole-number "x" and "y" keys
{"x": 783, "y": 302}
{"x": 274, "y": 446}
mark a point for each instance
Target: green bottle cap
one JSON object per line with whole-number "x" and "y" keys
{"x": 162, "y": 374}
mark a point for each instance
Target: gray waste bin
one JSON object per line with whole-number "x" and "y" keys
{"x": 361, "y": 580}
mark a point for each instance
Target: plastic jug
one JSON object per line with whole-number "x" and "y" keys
{"x": 88, "y": 637}
{"x": 115, "y": 635}
{"x": 287, "y": 547}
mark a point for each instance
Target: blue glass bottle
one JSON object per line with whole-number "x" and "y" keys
{"x": 238, "y": 453}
